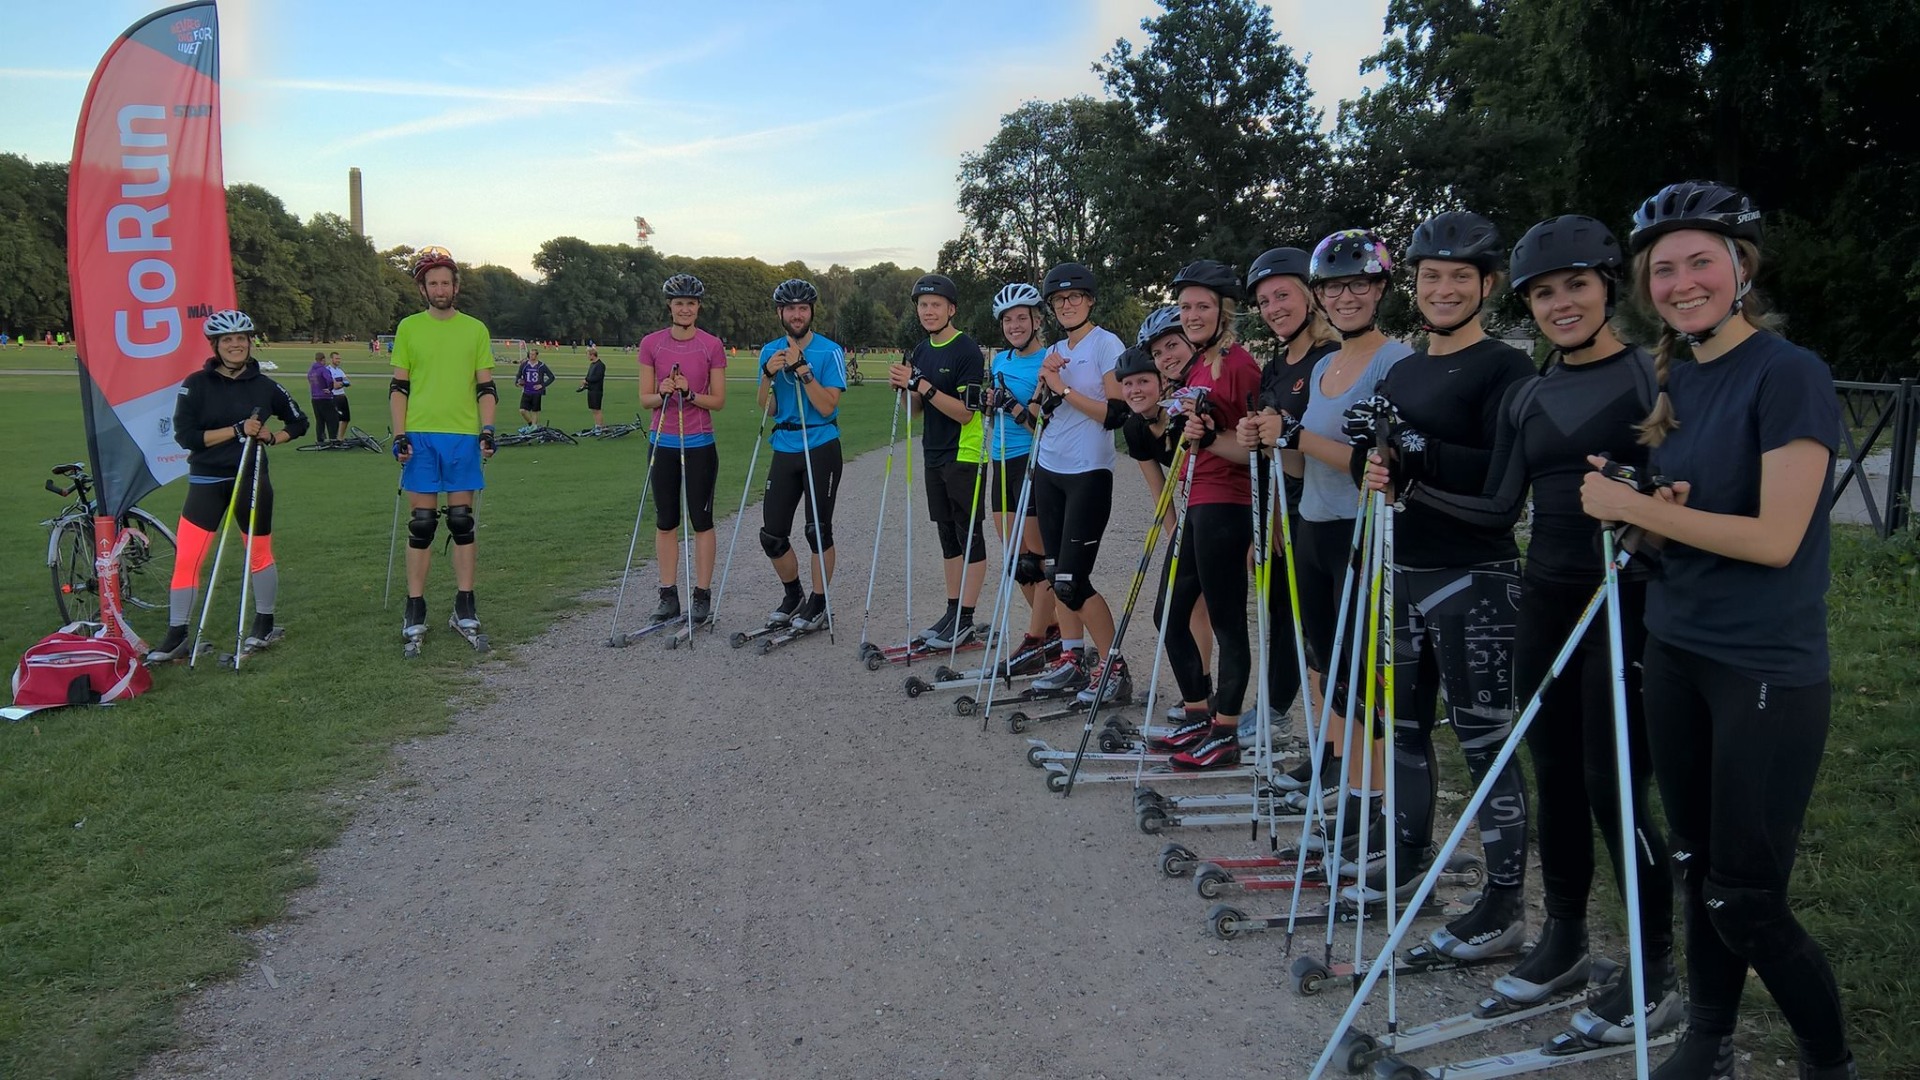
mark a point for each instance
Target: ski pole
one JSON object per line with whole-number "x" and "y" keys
{"x": 1262, "y": 568}
{"x": 907, "y": 649}
{"x": 253, "y": 521}
{"x": 1623, "y": 776}
{"x": 800, "y": 406}
{"x": 219, "y": 552}
{"x": 615, "y": 639}
{"x": 686, "y": 507}
{"x": 1184, "y": 454}
{"x": 966, "y": 552}
{"x": 1313, "y": 735}
{"x": 1364, "y": 827}
{"x": 880, "y": 520}
{"x": 1163, "y": 606}
{"x": 1015, "y": 533}
{"x": 393, "y": 541}
{"x": 1466, "y": 820}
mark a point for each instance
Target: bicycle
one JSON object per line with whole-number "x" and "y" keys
{"x": 535, "y": 436}
{"x": 854, "y": 378}
{"x": 355, "y": 439}
{"x": 146, "y": 562}
{"x": 612, "y": 431}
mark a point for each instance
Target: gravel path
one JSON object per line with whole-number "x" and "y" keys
{"x": 714, "y": 864}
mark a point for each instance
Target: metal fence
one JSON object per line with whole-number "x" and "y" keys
{"x": 1880, "y": 425}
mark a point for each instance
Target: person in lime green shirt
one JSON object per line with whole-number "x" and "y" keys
{"x": 442, "y": 401}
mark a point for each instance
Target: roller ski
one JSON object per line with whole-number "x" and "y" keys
{"x": 1358, "y": 1050}
{"x": 1133, "y": 775}
{"x": 1227, "y": 922}
{"x": 261, "y": 638}
{"x": 465, "y": 621}
{"x": 1565, "y": 1049}
{"x": 778, "y": 620}
{"x": 879, "y": 656}
{"x": 1155, "y": 816}
{"x": 176, "y": 648}
{"x": 630, "y": 637}
{"x": 810, "y": 619}
{"x": 1213, "y": 881}
{"x": 948, "y": 678}
{"x": 702, "y": 619}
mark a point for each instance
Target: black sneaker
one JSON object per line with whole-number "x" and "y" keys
{"x": 669, "y": 607}
{"x": 812, "y": 614}
{"x": 702, "y": 606}
{"x": 1496, "y": 925}
{"x": 264, "y": 632}
{"x": 790, "y": 603}
{"x": 172, "y": 647}
{"x": 413, "y": 623}
{"x": 466, "y": 612}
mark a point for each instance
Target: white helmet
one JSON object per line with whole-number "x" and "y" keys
{"x": 1018, "y": 294}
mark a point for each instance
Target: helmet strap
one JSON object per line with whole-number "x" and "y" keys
{"x": 1349, "y": 335}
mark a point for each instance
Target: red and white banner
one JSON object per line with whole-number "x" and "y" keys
{"x": 147, "y": 251}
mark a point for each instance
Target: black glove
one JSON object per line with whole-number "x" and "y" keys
{"x": 486, "y": 441}
{"x": 1004, "y": 400}
{"x": 1365, "y": 418}
{"x": 401, "y": 445}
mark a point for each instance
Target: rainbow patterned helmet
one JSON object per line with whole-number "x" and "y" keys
{"x": 1351, "y": 253}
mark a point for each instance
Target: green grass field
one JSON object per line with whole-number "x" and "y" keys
{"x": 142, "y": 839}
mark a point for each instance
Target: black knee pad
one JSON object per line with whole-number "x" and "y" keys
{"x": 420, "y": 527}
{"x": 1073, "y": 590}
{"x": 1029, "y": 569}
{"x": 951, "y": 546}
{"x": 819, "y": 539}
{"x": 460, "y": 524}
{"x": 775, "y": 546}
{"x": 1753, "y": 922}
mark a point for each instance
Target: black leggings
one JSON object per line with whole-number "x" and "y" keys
{"x": 1283, "y": 660}
{"x": 703, "y": 470}
{"x": 1736, "y": 760}
{"x": 1073, "y": 512}
{"x": 787, "y": 484}
{"x": 1325, "y": 552}
{"x": 326, "y": 420}
{"x": 1213, "y": 563}
{"x": 1571, "y": 741}
{"x": 1453, "y": 632}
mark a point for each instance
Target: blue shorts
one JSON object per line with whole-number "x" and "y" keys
{"x": 441, "y": 462}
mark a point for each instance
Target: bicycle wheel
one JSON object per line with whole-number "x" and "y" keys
{"x": 146, "y": 563}
{"x": 555, "y": 435}
{"x": 70, "y": 557}
{"x": 362, "y": 439}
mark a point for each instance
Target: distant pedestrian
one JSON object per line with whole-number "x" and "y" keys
{"x": 326, "y": 427}
{"x": 340, "y": 384}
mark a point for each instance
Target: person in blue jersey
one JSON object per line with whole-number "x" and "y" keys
{"x": 1593, "y": 395}
{"x": 1013, "y": 379}
{"x": 802, "y": 375}
{"x": 683, "y": 380}
{"x": 1736, "y": 668}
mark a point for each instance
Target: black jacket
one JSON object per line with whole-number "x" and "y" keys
{"x": 210, "y": 400}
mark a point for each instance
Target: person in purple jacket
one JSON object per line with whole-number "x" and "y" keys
{"x": 320, "y": 388}
{"x": 533, "y": 378}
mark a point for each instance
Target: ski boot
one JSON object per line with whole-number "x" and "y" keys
{"x": 1558, "y": 963}
{"x": 172, "y": 647}
{"x": 942, "y": 628}
{"x": 1496, "y": 925}
{"x": 1068, "y": 674}
{"x": 1698, "y": 1056}
{"x": 1119, "y": 686}
{"x": 465, "y": 621}
{"x": 413, "y": 625}
{"x": 789, "y": 603}
{"x": 702, "y": 606}
{"x": 1609, "y": 1019}
{"x": 1846, "y": 1070}
{"x": 1192, "y": 728}
{"x": 264, "y": 634}
{"x": 960, "y": 631}
{"x": 669, "y": 607}
{"x": 1410, "y": 864}
{"x": 1220, "y": 750}
{"x": 811, "y": 615}
{"x": 1029, "y": 659}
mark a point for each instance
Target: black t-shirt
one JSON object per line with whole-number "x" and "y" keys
{"x": 596, "y": 372}
{"x": 209, "y": 400}
{"x": 949, "y": 368}
{"x": 1765, "y": 622}
{"x": 1548, "y": 426}
{"x": 1288, "y": 388}
{"x": 1453, "y": 401}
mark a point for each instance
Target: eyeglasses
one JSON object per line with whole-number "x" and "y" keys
{"x": 1346, "y": 285}
{"x": 1073, "y": 297}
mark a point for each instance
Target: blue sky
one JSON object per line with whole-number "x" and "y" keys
{"x": 826, "y": 132}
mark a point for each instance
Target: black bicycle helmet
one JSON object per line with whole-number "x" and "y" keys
{"x": 1350, "y": 253}
{"x": 1567, "y": 242}
{"x": 1277, "y": 261}
{"x": 936, "y": 285}
{"x": 795, "y": 291}
{"x": 1069, "y": 276}
{"x": 683, "y": 286}
{"x": 1134, "y": 361}
{"x": 1208, "y": 274}
{"x": 1695, "y": 204}
{"x": 1457, "y": 236}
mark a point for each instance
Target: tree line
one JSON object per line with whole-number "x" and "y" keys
{"x": 315, "y": 277}
{"x": 1205, "y": 144}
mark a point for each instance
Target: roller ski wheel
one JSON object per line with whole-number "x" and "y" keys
{"x": 1309, "y": 975}
{"x": 472, "y": 635}
{"x": 1395, "y": 1069}
{"x": 1224, "y": 921}
{"x": 875, "y": 661}
{"x": 943, "y": 673}
{"x": 1210, "y": 881}
{"x": 1355, "y": 1051}
{"x": 1149, "y": 819}
{"x": 1018, "y": 722}
{"x": 1038, "y": 755}
{"x": 738, "y": 640}
{"x": 964, "y": 705}
{"x": 915, "y": 686}
{"x": 1176, "y": 860}
{"x": 1056, "y": 782}
{"x": 1111, "y": 743}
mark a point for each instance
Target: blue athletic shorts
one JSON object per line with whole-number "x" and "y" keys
{"x": 442, "y": 462}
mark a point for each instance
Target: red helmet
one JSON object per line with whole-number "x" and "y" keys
{"x": 427, "y": 258}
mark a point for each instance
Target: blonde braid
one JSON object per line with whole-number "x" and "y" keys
{"x": 1661, "y": 421}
